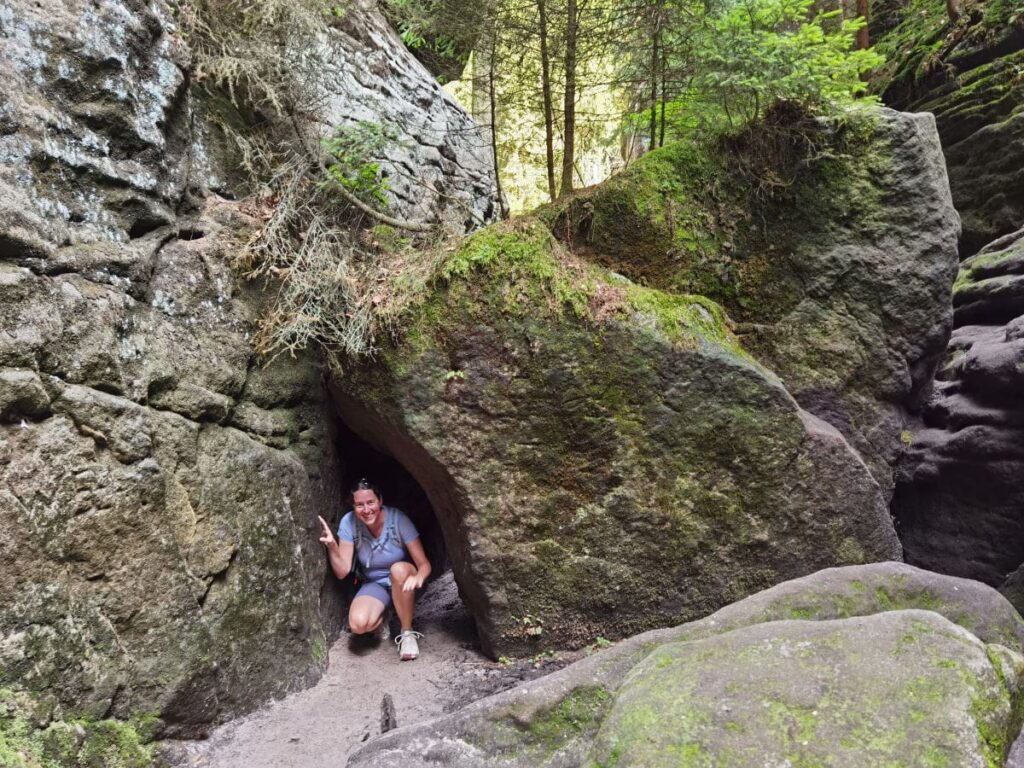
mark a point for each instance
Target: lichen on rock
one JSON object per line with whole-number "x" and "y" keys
{"x": 884, "y": 664}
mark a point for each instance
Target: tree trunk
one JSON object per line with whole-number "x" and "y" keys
{"x": 491, "y": 98}
{"x": 864, "y": 10}
{"x": 545, "y": 82}
{"x": 655, "y": 59}
{"x": 664, "y": 97}
{"x": 569, "y": 106}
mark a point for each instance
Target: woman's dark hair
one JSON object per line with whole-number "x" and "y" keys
{"x": 362, "y": 484}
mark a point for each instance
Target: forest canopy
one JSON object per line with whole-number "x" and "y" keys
{"x": 575, "y": 89}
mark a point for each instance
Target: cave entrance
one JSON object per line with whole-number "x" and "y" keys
{"x": 359, "y": 459}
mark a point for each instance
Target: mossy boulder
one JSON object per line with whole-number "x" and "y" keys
{"x": 832, "y": 246}
{"x": 30, "y": 739}
{"x": 603, "y": 458}
{"x": 160, "y": 485}
{"x": 871, "y": 665}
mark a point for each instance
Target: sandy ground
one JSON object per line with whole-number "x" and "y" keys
{"x": 320, "y": 727}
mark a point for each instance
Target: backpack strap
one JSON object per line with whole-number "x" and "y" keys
{"x": 394, "y": 529}
{"x": 357, "y": 571}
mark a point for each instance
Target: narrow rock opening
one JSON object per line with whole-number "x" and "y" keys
{"x": 412, "y": 479}
{"x": 399, "y": 489}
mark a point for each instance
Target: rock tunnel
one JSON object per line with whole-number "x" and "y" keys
{"x": 411, "y": 480}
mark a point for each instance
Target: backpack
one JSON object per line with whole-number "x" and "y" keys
{"x": 391, "y": 531}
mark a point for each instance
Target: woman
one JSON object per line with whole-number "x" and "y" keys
{"x": 378, "y": 537}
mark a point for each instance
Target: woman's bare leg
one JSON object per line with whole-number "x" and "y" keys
{"x": 405, "y": 602}
{"x": 365, "y": 614}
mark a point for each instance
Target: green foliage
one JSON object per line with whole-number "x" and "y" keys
{"x": 351, "y": 149}
{"x": 757, "y": 53}
{"x": 446, "y": 28}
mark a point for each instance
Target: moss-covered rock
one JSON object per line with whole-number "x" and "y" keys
{"x": 968, "y": 74}
{"x": 27, "y": 740}
{"x": 836, "y": 269}
{"x": 903, "y": 688}
{"x": 603, "y": 457}
{"x": 872, "y": 665}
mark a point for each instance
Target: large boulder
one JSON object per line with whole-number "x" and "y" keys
{"x": 158, "y": 494}
{"x": 870, "y": 665}
{"x": 967, "y": 73}
{"x": 603, "y": 458}
{"x": 834, "y": 256}
{"x": 158, "y": 487}
{"x": 961, "y": 481}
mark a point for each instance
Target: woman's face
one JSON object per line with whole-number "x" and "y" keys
{"x": 366, "y": 505}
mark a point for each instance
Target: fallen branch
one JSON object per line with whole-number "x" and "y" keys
{"x": 369, "y": 210}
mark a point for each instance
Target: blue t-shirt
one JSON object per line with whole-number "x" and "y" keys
{"x": 378, "y": 555}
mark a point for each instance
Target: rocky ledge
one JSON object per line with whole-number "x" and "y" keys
{"x": 961, "y": 483}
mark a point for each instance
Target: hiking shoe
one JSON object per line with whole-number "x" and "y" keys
{"x": 408, "y": 648}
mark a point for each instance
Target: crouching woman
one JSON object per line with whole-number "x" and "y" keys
{"x": 379, "y": 542}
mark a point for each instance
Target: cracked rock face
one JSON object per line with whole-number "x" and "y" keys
{"x": 967, "y": 75}
{"x": 159, "y": 489}
{"x": 961, "y": 483}
{"x": 442, "y": 161}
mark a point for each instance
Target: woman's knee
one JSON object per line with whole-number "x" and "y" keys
{"x": 358, "y": 625}
{"x": 401, "y": 570}
{"x": 361, "y": 621}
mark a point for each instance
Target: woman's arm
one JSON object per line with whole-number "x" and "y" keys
{"x": 419, "y": 559}
{"x": 339, "y": 553}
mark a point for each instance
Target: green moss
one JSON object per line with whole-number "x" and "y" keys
{"x": 799, "y": 724}
{"x": 700, "y": 220}
{"x": 999, "y": 715}
{"x": 934, "y": 757}
{"x": 578, "y": 713}
{"x": 992, "y": 735}
{"x": 318, "y": 649}
{"x": 984, "y": 266}
{"x": 683, "y": 318}
{"x": 76, "y": 743}
{"x": 525, "y": 273}
{"x": 922, "y": 46}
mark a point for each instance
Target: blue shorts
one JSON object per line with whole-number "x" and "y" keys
{"x": 379, "y": 590}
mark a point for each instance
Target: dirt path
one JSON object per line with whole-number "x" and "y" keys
{"x": 320, "y": 727}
